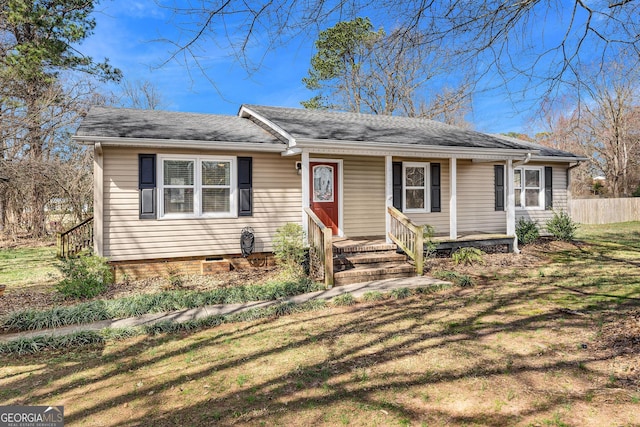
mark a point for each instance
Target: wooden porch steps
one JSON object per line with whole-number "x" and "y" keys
{"x": 363, "y": 261}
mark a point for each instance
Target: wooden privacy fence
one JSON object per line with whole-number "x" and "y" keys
{"x": 605, "y": 211}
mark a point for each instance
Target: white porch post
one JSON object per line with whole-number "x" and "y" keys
{"x": 453, "y": 200}
{"x": 305, "y": 190}
{"x": 388, "y": 186}
{"x": 511, "y": 200}
{"x": 98, "y": 200}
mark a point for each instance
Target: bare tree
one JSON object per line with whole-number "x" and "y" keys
{"x": 542, "y": 44}
{"x": 605, "y": 127}
{"x": 140, "y": 94}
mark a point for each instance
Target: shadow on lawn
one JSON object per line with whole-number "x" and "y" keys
{"x": 459, "y": 320}
{"x": 247, "y": 405}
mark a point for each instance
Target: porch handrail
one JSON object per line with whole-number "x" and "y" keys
{"x": 408, "y": 236}
{"x": 320, "y": 248}
{"x": 75, "y": 239}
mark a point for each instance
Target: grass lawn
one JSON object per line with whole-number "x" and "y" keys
{"x": 554, "y": 341}
{"x": 28, "y": 267}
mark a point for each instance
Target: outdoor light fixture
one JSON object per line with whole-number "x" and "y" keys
{"x": 299, "y": 168}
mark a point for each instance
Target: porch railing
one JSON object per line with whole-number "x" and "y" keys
{"x": 75, "y": 239}
{"x": 408, "y": 236}
{"x": 320, "y": 249}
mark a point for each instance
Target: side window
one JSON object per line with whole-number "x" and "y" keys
{"x": 529, "y": 187}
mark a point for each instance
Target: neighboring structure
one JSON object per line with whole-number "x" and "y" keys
{"x": 183, "y": 186}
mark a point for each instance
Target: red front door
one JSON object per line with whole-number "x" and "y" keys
{"x": 323, "y": 190}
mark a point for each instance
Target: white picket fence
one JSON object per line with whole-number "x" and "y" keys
{"x": 605, "y": 211}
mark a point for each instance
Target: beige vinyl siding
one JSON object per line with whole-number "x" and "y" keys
{"x": 438, "y": 220}
{"x": 364, "y": 196}
{"x": 560, "y": 197}
{"x": 476, "y": 198}
{"x": 276, "y": 201}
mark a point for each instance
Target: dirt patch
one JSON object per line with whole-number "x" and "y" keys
{"x": 619, "y": 341}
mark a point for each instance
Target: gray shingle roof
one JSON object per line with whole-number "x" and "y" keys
{"x": 544, "y": 150}
{"x": 341, "y": 126}
{"x": 169, "y": 125}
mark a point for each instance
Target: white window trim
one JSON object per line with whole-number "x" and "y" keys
{"x": 197, "y": 187}
{"x": 427, "y": 186}
{"x": 541, "y": 189}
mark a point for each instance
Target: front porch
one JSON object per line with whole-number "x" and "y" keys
{"x": 340, "y": 260}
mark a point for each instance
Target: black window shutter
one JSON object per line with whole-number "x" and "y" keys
{"x": 436, "y": 204}
{"x": 397, "y": 185}
{"x": 498, "y": 171}
{"x": 147, "y": 186}
{"x": 548, "y": 188}
{"x": 245, "y": 187}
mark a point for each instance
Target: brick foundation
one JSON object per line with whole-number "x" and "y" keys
{"x": 148, "y": 268}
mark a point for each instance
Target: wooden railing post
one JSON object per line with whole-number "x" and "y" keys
{"x": 328, "y": 258}
{"x": 321, "y": 248}
{"x": 59, "y": 245}
{"x": 419, "y": 250}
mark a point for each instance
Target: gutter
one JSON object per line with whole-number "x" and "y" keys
{"x": 524, "y": 161}
{"x": 372, "y": 147}
{"x": 108, "y": 141}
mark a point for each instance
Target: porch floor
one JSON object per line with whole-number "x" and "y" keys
{"x": 444, "y": 242}
{"x": 358, "y": 244}
{"x": 473, "y": 239}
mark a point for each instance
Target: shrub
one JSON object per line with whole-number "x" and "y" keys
{"x": 344, "y": 300}
{"x": 373, "y": 296}
{"x": 400, "y": 293}
{"x": 84, "y": 276}
{"x": 527, "y": 231}
{"x": 289, "y": 246}
{"x": 467, "y": 256}
{"x": 562, "y": 227}
{"x": 429, "y": 245}
{"x": 461, "y": 280}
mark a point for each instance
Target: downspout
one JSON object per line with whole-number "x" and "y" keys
{"x": 511, "y": 214}
{"x": 524, "y": 161}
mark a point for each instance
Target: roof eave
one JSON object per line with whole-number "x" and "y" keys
{"x": 558, "y": 159}
{"x": 373, "y": 147}
{"x": 108, "y": 141}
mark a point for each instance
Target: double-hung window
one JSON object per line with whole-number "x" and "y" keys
{"x": 415, "y": 178}
{"x": 198, "y": 186}
{"x": 529, "y": 187}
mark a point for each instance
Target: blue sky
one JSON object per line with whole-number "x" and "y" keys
{"x": 126, "y": 32}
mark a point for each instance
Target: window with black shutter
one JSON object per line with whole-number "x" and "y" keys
{"x": 397, "y": 185}
{"x": 436, "y": 192}
{"x": 245, "y": 205}
{"x": 548, "y": 188}
{"x": 147, "y": 186}
{"x": 498, "y": 171}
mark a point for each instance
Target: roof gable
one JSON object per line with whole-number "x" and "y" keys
{"x": 322, "y": 125}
